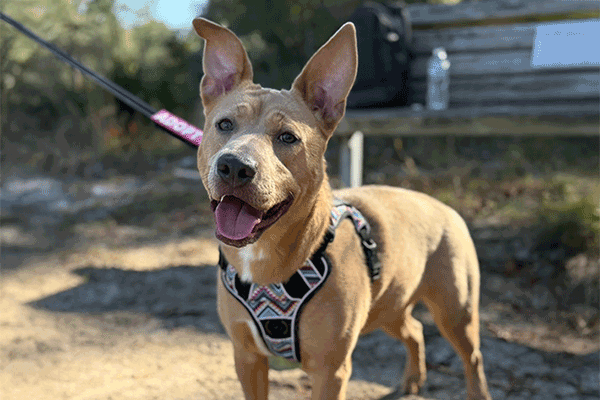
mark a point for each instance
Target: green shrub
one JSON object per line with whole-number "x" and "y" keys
{"x": 573, "y": 225}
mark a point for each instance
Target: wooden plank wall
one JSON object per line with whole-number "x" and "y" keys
{"x": 491, "y": 65}
{"x": 469, "y": 12}
{"x": 493, "y": 88}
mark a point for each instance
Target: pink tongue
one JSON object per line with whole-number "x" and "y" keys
{"x": 235, "y": 219}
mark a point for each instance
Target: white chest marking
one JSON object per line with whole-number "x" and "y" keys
{"x": 246, "y": 256}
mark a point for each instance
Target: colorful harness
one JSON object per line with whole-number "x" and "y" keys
{"x": 276, "y": 308}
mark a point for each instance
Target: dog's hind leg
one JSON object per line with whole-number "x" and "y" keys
{"x": 453, "y": 299}
{"x": 410, "y": 332}
{"x": 462, "y": 331}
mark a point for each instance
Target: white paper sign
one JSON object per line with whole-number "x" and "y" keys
{"x": 567, "y": 44}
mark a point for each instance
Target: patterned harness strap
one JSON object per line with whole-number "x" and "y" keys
{"x": 342, "y": 210}
{"x": 276, "y": 308}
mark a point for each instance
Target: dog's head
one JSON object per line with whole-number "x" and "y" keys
{"x": 262, "y": 155}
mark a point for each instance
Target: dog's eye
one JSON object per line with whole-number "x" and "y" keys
{"x": 225, "y": 125}
{"x": 288, "y": 137}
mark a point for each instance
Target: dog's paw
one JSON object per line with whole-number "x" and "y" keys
{"x": 413, "y": 383}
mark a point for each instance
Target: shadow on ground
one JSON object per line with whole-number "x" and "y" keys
{"x": 185, "y": 296}
{"x": 178, "y": 296}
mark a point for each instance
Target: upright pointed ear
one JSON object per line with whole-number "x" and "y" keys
{"x": 225, "y": 62}
{"x": 327, "y": 78}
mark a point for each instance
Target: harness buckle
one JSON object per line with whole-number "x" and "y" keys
{"x": 369, "y": 244}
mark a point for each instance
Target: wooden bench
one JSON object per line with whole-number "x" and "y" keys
{"x": 495, "y": 86}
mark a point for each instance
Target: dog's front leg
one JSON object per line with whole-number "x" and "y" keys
{"x": 253, "y": 372}
{"x": 251, "y": 366}
{"x": 331, "y": 382}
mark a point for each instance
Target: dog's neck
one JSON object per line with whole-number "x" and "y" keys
{"x": 286, "y": 246}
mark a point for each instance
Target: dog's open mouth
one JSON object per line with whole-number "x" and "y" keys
{"x": 238, "y": 223}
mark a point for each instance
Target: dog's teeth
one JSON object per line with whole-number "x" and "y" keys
{"x": 222, "y": 197}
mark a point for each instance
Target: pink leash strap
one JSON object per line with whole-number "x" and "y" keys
{"x": 179, "y": 127}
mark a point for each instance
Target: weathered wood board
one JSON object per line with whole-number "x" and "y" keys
{"x": 575, "y": 119}
{"x": 436, "y": 14}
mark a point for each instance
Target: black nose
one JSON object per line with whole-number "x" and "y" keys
{"x": 234, "y": 171}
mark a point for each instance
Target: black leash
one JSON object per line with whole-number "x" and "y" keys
{"x": 168, "y": 122}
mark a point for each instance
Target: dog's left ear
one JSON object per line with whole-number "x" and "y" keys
{"x": 225, "y": 61}
{"x": 327, "y": 78}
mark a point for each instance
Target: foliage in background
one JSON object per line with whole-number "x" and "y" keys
{"x": 281, "y": 36}
{"x": 41, "y": 96}
{"x": 571, "y": 223}
{"x": 52, "y": 115}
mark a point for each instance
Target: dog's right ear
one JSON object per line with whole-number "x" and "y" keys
{"x": 225, "y": 61}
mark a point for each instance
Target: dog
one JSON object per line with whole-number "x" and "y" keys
{"x": 262, "y": 163}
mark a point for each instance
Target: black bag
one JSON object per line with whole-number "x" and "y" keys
{"x": 384, "y": 56}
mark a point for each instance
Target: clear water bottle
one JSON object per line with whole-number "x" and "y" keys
{"x": 438, "y": 80}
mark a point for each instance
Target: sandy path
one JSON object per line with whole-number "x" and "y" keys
{"x": 117, "y": 355}
{"x": 138, "y": 321}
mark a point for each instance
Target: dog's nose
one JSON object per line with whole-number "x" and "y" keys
{"x": 234, "y": 171}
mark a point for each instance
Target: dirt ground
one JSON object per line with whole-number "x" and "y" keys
{"x": 107, "y": 310}
{"x": 66, "y": 338}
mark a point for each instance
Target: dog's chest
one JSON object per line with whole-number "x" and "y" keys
{"x": 275, "y": 308}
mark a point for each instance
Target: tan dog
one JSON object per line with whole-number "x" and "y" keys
{"x": 262, "y": 163}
